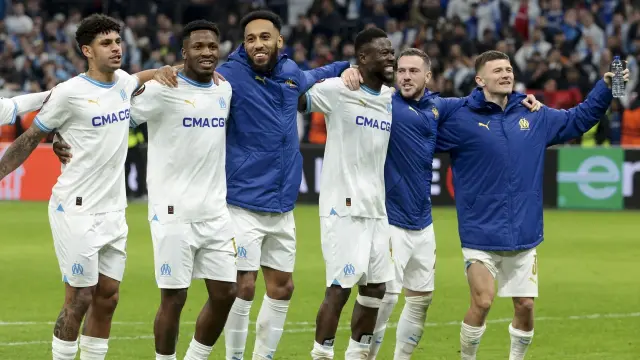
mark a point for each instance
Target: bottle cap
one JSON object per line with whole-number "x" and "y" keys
{"x": 616, "y": 58}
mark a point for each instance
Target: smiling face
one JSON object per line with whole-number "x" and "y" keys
{"x": 201, "y": 52}
{"x": 104, "y": 52}
{"x": 496, "y": 77}
{"x": 262, "y": 41}
{"x": 378, "y": 59}
{"x": 412, "y": 76}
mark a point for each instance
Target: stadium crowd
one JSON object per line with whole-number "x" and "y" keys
{"x": 558, "y": 48}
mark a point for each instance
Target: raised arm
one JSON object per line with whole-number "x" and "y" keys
{"x": 564, "y": 125}
{"x": 332, "y": 70}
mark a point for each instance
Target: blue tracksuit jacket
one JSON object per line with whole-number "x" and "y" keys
{"x": 498, "y": 161}
{"x": 264, "y": 164}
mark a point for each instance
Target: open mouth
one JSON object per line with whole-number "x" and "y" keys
{"x": 388, "y": 68}
{"x": 260, "y": 56}
{"x": 407, "y": 86}
{"x": 206, "y": 62}
{"x": 116, "y": 58}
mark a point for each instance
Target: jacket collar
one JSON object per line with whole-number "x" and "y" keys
{"x": 477, "y": 101}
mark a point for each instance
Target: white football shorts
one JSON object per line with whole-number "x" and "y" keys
{"x": 264, "y": 239}
{"x": 198, "y": 250}
{"x": 414, "y": 258}
{"x": 356, "y": 250}
{"x": 89, "y": 244}
{"x": 516, "y": 271}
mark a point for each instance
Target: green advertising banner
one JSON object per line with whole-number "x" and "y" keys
{"x": 590, "y": 178}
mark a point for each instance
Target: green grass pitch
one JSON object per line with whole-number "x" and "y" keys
{"x": 589, "y": 305}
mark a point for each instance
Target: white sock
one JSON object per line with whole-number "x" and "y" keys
{"x": 411, "y": 325}
{"x": 520, "y": 341}
{"x": 236, "y": 329}
{"x": 269, "y": 327}
{"x": 166, "y": 357}
{"x": 322, "y": 352}
{"x": 389, "y": 301}
{"x": 64, "y": 350}
{"x": 356, "y": 350}
{"x": 93, "y": 348}
{"x": 198, "y": 351}
{"x": 470, "y": 340}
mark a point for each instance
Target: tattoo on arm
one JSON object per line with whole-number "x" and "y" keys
{"x": 20, "y": 150}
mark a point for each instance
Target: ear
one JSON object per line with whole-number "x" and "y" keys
{"x": 427, "y": 77}
{"x": 362, "y": 57}
{"x": 280, "y": 42}
{"x": 87, "y": 51}
{"x": 480, "y": 82}
{"x": 184, "y": 53}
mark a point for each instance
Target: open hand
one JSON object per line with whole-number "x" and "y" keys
{"x": 352, "y": 78}
{"x": 167, "y": 76}
{"x": 61, "y": 149}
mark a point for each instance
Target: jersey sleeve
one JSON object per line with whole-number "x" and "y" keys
{"x": 131, "y": 82}
{"x": 146, "y": 103}
{"x": 310, "y": 77}
{"x": 8, "y": 111}
{"x": 323, "y": 96}
{"x": 55, "y": 110}
{"x": 30, "y": 102}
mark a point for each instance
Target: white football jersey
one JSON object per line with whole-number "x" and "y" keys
{"x": 358, "y": 129}
{"x": 93, "y": 118}
{"x": 186, "y": 175}
{"x": 18, "y": 105}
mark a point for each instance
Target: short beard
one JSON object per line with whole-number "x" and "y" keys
{"x": 273, "y": 59}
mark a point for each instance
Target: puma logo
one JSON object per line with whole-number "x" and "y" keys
{"x": 192, "y": 103}
{"x": 485, "y": 125}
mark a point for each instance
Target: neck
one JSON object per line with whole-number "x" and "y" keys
{"x": 192, "y": 75}
{"x": 371, "y": 81}
{"x": 95, "y": 74}
{"x": 499, "y": 99}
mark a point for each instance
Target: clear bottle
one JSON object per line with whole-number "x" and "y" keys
{"x": 617, "y": 83}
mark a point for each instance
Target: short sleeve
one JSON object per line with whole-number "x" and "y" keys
{"x": 55, "y": 110}
{"x": 131, "y": 82}
{"x": 324, "y": 95}
{"x": 29, "y": 102}
{"x": 8, "y": 111}
{"x": 146, "y": 103}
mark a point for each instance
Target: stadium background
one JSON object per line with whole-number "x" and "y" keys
{"x": 590, "y": 299}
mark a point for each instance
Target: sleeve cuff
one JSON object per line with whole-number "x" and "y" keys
{"x": 308, "y": 97}
{"x": 132, "y": 124}
{"x": 41, "y": 126}
{"x": 15, "y": 113}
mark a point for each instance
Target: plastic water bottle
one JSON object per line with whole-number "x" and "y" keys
{"x": 617, "y": 84}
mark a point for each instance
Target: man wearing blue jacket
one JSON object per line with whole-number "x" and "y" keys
{"x": 264, "y": 171}
{"x": 497, "y": 150}
{"x": 408, "y": 173}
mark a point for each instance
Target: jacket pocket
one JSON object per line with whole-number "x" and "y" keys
{"x": 484, "y": 221}
{"x": 235, "y": 163}
{"x": 527, "y": 218}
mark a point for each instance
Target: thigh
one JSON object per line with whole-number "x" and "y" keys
{"x": 346, "y": 249}
{"x": 518, "y": 275}
{"x": 215, "y": 258}
{"x": 76, "y": 245}
{"x": 380, "y": 267}
{"x": 419, "y": 274}
{"x": 489, "y": 259}
{"x": 113, "y": 256}
{"x": 279, "y": 246}
{"x": 249, "y": 236}
{"x": 173, "y": 254}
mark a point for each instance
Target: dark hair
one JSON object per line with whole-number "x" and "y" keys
{"x": 418, "y": 53}
{"x": 262, "y": 15}
{"x": 366, "y": 36}
{"x": 94, "y": 25}
{"x": 199, "y": 25}
{"x": 490, "y": 55}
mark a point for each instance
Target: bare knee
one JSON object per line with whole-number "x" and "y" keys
{"x": 223, "y": 292}
{"x": 336, "y": 296}
{"x": 482, "y": 301}
{"x": 373, "y": 290}
{"x": 173, "y": 299}
{"x": 523, "y": 306}
{"x": 279, "y": 284}
{"x": 78, "y": 301}
{"x": 246, "y": 285}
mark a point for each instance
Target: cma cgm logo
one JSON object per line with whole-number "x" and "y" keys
{"x": 111, "y": 118}
{"x": 203, "y": 122}
{"x": 373, "y": 123}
